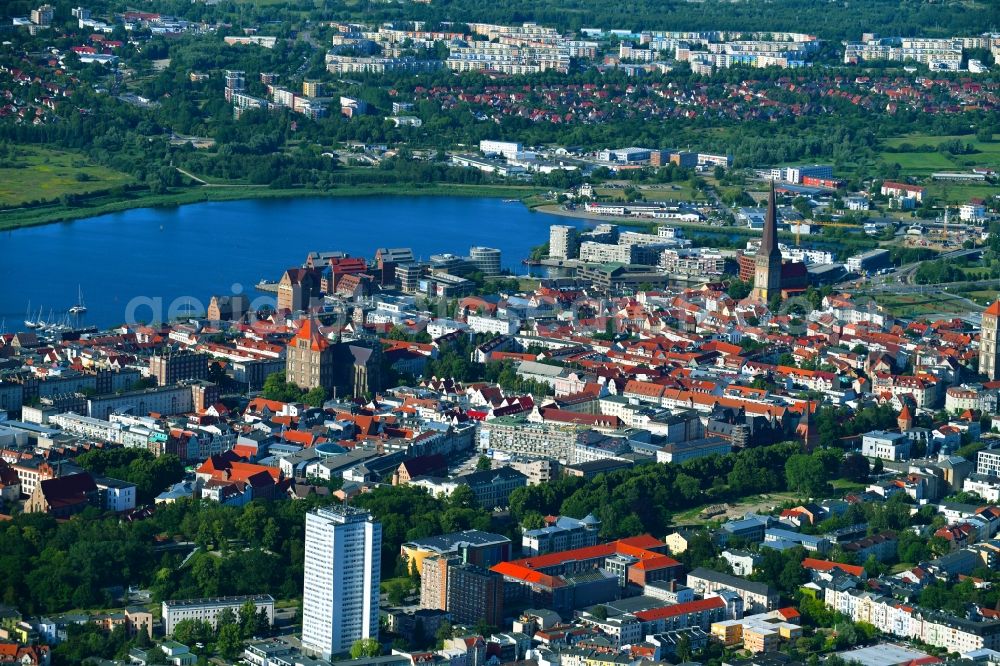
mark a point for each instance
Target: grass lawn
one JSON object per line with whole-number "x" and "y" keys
{"x": 527, "y": 284}
{"x": 44, "y": 173}
{"x": 911, "y": 305}
{"x": 654, "y": 192}
{"x": 960, "y": 193}
{"x": 924, "y": 163}
{"x": 843, "y": 485}
{"x": 667, "y": 191}
{"x": 387, "y": 582}
{"x": 982, "y": 296}
{"x": 920, "y": 139}
{"x": 920, "y": 163}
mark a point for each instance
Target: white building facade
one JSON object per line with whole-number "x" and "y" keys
{"x": 342, "y": 575}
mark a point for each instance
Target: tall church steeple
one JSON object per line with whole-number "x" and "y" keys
{"x": 767, "y": 262}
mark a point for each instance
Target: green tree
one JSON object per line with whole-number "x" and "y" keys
{"x": 445, "y": 632}
{"x": 248, "y": 619}
{"x": 315, "y": 397}
{"x": 190, "y": 632}
{"x": 277, "y": 388}
{"x": 462, "y": 497}
{"x": 484, "y": 463}
{"x": 229, "y": 642}
{"x": 806, "y": 474}
{"x": 227, "y": 616}
{"x": 366, "y": 647}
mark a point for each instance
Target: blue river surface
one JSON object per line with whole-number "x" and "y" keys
{"x": 182, "y": 255}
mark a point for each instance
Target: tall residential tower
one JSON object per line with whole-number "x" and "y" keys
{"x": 342, "y": 576}
{"x": 989, "y": 356}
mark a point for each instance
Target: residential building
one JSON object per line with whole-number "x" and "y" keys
{"x": 208, "y": 609}
{"x": 759, "y": 633}
{"x": 563, "y": 242}
{"x": 342, "y": 576}
{"x": 492, "y": 487}
{"x": 115, "y": 495}
{"x": 989, "y": 353}
{"x": 434, "y": 580}
{"x": 903, "y": 191}
{"x": 475, "y": 595}
{"x": 757, "y": 597}
{"x": 988, "y": 463}
{"x": 170, "y": 366}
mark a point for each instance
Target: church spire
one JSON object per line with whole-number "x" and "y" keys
{"x": 769, "y": 241}
{"x": 767, "y": 261}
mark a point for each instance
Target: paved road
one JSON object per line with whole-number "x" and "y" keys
{"x": 932, "y": 288}
{"x": 903, "y": 275}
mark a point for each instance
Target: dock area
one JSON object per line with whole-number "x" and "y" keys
{"x": 269, "y": 287}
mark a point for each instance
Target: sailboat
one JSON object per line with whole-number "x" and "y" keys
{"x": 33, "y": 323}
{"x": 79, "y": 308}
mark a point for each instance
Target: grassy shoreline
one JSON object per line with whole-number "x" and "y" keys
{"x": 104, "y": 204}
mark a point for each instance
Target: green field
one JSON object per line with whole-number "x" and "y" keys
{"x": 982, "y": 296}
{"x": 960, "y": 193}
{"x": 44, "y": 174}
{"x": 924, "y": 163}
{"x": 916, "y": 305}
{"x": 654, "y": 192}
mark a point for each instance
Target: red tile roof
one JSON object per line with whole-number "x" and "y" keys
{"x": 826, "y": 565}
{"x": 310, "y": 331}
{"x": 681, "y": 609}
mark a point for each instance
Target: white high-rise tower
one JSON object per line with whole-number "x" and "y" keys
{"x": 342, "y": 575}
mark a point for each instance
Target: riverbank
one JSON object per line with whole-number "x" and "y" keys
{"x": 104, "y": 203}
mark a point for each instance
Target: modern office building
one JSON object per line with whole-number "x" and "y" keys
{"x": 561, "y": 533}
{"x": 484, "y": 549}
{"x": 342, "y": 576}
{"x": 486, "y": 260}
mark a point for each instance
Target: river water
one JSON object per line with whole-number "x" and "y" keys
{"x": 170, "y": 258}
